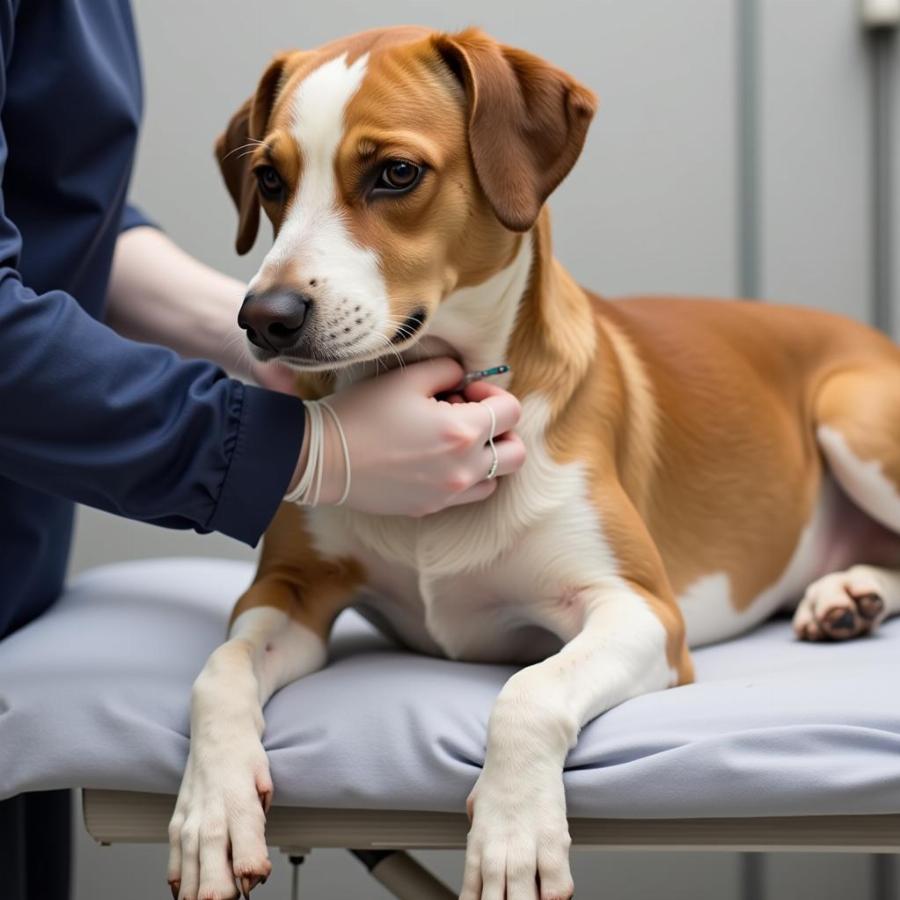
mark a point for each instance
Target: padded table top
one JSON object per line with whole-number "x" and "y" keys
{"x": 96, "y": 694}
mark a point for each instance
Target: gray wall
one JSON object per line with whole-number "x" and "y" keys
{"x": 815, "y": 155}
{"x": 652, "y": 206}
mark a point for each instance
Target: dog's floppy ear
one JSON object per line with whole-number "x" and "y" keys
{"x": 235, "y": 144}
{"x": 527, "y": 122}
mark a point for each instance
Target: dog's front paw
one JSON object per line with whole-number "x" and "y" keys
{"x": 217, "y": 838}
{"x": 518, "y": 845}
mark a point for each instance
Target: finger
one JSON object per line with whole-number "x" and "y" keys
{"x": 507, "y": 412}
{"x": 510, "y": 456}
{"x": 480, "y": 491}
{"x": 433, "y": 376}
{"x": 476, "y": 391}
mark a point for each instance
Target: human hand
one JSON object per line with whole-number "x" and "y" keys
{"x": 412, "y": 454}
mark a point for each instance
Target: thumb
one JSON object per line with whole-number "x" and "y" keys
{"x": 434, "y": 376}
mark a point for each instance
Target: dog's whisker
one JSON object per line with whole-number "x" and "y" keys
{"x": 252, "y": 143}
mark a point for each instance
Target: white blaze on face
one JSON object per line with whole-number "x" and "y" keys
{"x": 348, "y": 290}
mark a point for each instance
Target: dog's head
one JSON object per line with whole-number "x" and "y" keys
{"x": 395, "y": 166}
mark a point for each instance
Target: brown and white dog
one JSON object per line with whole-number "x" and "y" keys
{"x": 692, "y": 465}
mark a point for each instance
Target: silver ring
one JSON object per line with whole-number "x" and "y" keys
{"x": 492, "y": 471}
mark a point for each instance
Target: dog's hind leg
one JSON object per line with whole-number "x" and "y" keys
{"x": 858, "y": 430}
{"x": 857, "y": 419}
{"x": 278, "y": 634}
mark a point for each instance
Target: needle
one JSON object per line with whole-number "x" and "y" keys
{"x": 469, "y": 377}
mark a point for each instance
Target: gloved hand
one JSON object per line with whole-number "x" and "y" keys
{"x": 412, "y": 454}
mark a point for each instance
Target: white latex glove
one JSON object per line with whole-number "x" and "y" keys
{"x": 412, "y": 454}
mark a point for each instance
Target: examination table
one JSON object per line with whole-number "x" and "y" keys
{"x": 780, "y": 745}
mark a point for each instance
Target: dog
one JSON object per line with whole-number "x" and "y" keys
{"x": 692, "y": 467}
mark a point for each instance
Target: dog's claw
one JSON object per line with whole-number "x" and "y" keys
{"x": 248, "y": 882}
{"x": 174, "y": 887}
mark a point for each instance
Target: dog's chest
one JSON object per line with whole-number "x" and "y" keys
{"x": 518, "y": 607}
{"x": 501, "y": 580}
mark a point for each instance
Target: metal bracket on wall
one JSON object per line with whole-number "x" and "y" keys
{"x": 749, "y": 175}
{"x": 881, "y": 19}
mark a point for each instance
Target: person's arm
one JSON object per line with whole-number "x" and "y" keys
{"x": 125, "y": 427}
{"x": 131, "y": 428}
{"x": 159, "y": 294}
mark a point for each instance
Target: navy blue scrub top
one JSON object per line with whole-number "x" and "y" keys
{"x": 86, "y": 415}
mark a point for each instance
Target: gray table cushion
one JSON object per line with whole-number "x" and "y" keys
{"x": 96, "y": 693}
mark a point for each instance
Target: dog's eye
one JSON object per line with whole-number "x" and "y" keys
{"x": 270, "y": 184}
{"x": 397, "y": 176}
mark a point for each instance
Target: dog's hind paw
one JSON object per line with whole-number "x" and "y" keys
{"x": 841, "y": 606}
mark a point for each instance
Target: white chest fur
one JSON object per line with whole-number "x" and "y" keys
{"x": 474, "y": 574}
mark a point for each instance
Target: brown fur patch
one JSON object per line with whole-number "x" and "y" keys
{"x": 736, "y": 470}
{"x": 292, "y": 577}
{"x": 527, "y": 122}
{"x": 863, "y": 404}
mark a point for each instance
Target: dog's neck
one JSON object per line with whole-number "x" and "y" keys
{"x": 530, "y": 315}
{"x": 475, "y": 323}
{"x": 553, "y": 341}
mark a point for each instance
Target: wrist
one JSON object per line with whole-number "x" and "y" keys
{"x": 217, "y": 328}
{"x": 334, "y": 475}
{"x": 303, "y": 458}
{"x": 160, "y": 294}
{"x": 333, "y": 468}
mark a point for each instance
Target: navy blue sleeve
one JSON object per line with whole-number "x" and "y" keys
{"x": 127, "y": 427}
{"x": 131, "y": 428}
{"x": 134, "y": 217}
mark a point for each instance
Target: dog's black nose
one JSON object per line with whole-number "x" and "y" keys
{"x": 274, "y": 319}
